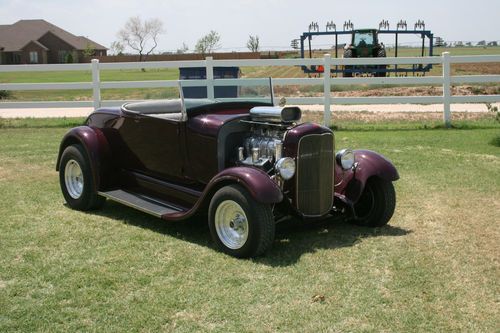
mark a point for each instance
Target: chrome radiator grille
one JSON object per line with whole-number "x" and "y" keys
{"x": 315, "y": 159}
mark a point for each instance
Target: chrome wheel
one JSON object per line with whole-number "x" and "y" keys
{"x": 231, "y": 224}
{"x": 240, "y": 226}
{"x": 73, "y": 178}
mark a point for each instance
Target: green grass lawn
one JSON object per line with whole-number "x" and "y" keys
{"x": 434, "y": 268}
{"x": 86, "y": 76}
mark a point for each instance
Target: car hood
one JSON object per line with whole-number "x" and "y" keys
{"x": 209, "y": 124}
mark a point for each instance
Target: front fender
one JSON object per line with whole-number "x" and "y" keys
{"x": 262, "y": 188}
{"x": 96, "y": 146}
{"x": 368, "y": 164}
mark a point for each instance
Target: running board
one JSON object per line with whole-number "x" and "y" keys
{"x": 140, "y": 202}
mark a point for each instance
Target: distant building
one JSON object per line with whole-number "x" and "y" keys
{"x": 41, "y": 42}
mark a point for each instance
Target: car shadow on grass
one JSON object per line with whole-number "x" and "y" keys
{"x": 294, "y": 238}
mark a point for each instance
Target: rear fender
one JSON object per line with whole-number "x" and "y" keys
{"x": 368, "y": 164}
{"x": 97, "y": 148}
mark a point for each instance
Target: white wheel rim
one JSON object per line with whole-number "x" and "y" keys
{"x": 73, "y": 178}
{"x": 231, "y": 224}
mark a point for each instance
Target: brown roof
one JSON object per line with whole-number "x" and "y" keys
{"x": 37, "y": 43}
{"x": 2, "y": 28}
{"x": 14, "y": 37}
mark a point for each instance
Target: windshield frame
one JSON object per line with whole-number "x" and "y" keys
{"x": 357, "y": 38}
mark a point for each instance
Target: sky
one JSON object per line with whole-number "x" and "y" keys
{"x": 276, "y": 22}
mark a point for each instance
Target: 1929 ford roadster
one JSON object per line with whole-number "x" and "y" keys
{"x": 247, "y": 164}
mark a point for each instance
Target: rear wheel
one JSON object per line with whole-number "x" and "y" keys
{"x": 381, "y": 68}
{"x": 347, "y": 68}
{"x": 240, "y": 226}
{"x": 377, "y": 203}
{"x": 75, "y": 178}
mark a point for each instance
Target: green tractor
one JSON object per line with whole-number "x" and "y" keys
{"x": 365, "y": 44}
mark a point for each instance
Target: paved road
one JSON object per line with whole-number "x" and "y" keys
{"x": 83, "y": 112}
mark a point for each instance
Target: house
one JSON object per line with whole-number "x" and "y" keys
{"x": 41, "y": 42}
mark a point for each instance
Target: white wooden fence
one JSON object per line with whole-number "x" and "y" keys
{"x": 446, "y": 80}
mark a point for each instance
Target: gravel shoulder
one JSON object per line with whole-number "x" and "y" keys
{"x": 398, "y": 108}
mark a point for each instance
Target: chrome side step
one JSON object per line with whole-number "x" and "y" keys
{"x": 140, "y": 202}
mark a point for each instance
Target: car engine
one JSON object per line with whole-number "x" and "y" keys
{"x": 264, "y": 147}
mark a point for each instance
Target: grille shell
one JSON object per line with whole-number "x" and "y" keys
{"x": 315, "y": 179}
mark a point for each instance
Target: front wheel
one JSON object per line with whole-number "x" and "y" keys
{"x": 75, "y": 178}
{"x": 376, "y": 204}
{"x": 240, "y": 226}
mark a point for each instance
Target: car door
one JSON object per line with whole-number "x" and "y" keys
{"x": 153, "y": 146}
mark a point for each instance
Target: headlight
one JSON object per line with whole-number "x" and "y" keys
{"x": 285, "y": 167}
{"x": 345, "y": 158}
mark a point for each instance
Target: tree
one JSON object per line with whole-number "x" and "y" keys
{"x": 141, "y": 36}
{"x": 253, "y": 43}
{"x": 117, "y": 48}
{"x": 183, "y": 49}
{"x": 439, "y": 42}
{"x": 208, "y": 43}
{"x": 89, "y": 50}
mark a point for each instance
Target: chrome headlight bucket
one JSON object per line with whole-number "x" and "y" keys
{"x": 345, "y": 158}
{"x": 285, "y": 167}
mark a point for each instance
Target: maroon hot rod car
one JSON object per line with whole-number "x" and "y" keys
{"x": 247, "y": 164}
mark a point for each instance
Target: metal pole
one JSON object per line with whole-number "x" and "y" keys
{"x": 396, "y": 55}
{"x": 431, "y": 45}
{"x": 210, "y": 77}
{"x": 96, "y": 83}
{"x": 326, "y": 88}
{"x": 446, "y": 89}
{"x": 302, "y": 46}
{"x": 336, "y": 46}
{"x": 310, "y": 52}
{"x": 423, "y": 45}
{"x": 336, "y": 52}
{"x": 420, "y": 66}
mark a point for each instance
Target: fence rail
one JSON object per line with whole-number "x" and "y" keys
{"x": 446, "y": 80}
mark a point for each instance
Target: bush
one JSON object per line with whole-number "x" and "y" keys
{"x": 5, "y": 94}
{"x": 495, "y": 141}
{"x": 495, "y": 110}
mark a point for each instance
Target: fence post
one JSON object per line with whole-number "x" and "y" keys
{"x": 210, "y": 77}
{"x": 446, "y": 89}
{"x": 96, "y": 84}
{"x": 326, "y": 89}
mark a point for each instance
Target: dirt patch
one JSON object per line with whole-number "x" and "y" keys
{"x": 371, "y": 117}
{"x": 366, "y": 91}
{"x": 476, "y": 68}
{"x": 422, "y": 91}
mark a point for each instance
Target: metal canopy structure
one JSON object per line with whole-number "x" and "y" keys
{"x": 384, "y": 29}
